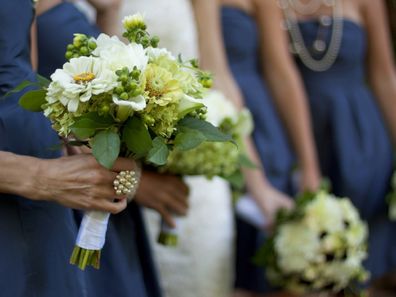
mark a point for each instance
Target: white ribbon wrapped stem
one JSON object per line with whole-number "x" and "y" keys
{"x": 92, "y": 232}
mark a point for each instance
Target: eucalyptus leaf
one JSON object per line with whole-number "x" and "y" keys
{"x": 33, "y": 100}
{"x": 20, "y": 87}
{"x": 210, "y": 132}
{"x": 236, "y": 179}
{"x": 42, "y": 81}
{"x": 137, "y": 137}
{"x": 106, "y": 148}
{"x": 86, "y": 125}
{"x": 188, "y": 139}
{"x": 158, "y": 155}
{"x": 83, "y": 129}
{"x": 245, "y": 162}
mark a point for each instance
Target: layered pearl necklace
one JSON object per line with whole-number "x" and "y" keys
{"x": 293, "y": 7}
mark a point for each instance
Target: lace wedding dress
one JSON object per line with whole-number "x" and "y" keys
{"x": 202, "y": 264}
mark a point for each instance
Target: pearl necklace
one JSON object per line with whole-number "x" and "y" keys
{"x": 298, "y": 43}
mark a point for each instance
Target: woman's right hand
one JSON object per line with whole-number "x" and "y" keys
{"x": 79, "y": 182}
{"x": 271, "y": 201}
{"x": 167, "y": 194}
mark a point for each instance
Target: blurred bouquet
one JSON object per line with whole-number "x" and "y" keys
{"x": 317, "y": 247}
{"x": 391, "y": 199}
{"x": 132, "y": 100}
{"x": 210, "y": 159}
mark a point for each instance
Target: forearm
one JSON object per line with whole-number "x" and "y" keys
{"x": 293, "y": 109}
{"x": 106, "y": 19}
{"x": 17, "y": 173}
{"x": 256, "y": 181}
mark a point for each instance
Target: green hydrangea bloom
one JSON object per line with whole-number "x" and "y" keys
{"x": 209, "y": 159}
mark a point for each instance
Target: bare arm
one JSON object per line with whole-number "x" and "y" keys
{"x": 381, "y": 70}
{"x": 107, "y": 15}
{"x": 287, "y": 90}
{"x": 75, "y": 182}
{"x": 213, "y": 58}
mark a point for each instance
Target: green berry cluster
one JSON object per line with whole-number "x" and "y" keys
{"x": 82, "y": 46}
{"x": 199, "y": 113}
{"x": 141, "y": 36}
{"x": 128, "y": 83}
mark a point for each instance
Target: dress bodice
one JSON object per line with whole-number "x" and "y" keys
{"x": 241, "y": 39}
{"x": 349, "y": 64}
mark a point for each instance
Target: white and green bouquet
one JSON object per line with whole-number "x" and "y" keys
{"x": 131, "y": 100}
{"x": 210, "y": 159}
{"x": 318, "y": 247}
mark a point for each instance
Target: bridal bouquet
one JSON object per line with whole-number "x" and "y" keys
{"x": 317, "y": 247}
{"x": 132, "y": 100}
{"x": 211, "y": 159}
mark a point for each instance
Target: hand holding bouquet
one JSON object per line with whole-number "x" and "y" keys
{"x": 131, "y": 100}
{"x": 317, "y": 247}
{"x": 211, "y": 159}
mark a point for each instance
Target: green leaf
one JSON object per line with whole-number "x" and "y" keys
{"x": 188, "y": 139}
{"x": 158, "y": 155}
{"x": 42, "y": 81}
{"x": 137, "y": 137}
{"x": 210, "y": 132}
{"x": 86, "y": 126}
{"x": 83, "y": 129}
{"x": 20, "y": 87}
{"x": 236, "y": 180}
{"x": 106, "y": 148}
{"x": 245, "y": 162}
{"x": 33, "y": 100}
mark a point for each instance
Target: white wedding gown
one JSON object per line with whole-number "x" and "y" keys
{"x": 202, "y": 264}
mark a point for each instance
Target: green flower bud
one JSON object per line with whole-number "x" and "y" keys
{"x": 123, "y": 78}
{"x": 207, "y": 83}
{"x": 136, "y": 74}
{"x": 119, "y": 90}
{"x": 124, "y": 96}
{"x": 132, "y": 86}
{"x": 84, "y": 50}
{"x": 105, "y": 108}
{"x": 76, "y": 56}
{"x": 154, "y": 41}
{"x": 92, "y": 44}
{"x": 70, "y": 47}
{"x": 68, "y": 55}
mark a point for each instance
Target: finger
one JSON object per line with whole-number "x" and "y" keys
{"x": 113, "y": 207}
{"x": 178, "y": 197}
{"x": 174, "y": 205}
{"x": 166, "y": 216}
{"x": 124, "y": 164}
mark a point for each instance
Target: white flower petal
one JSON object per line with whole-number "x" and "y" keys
{"x": 137, "y": 103}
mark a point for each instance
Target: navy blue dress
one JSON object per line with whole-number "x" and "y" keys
{"x": 126, "y": 264}
{"x": 352, "y": 142}
{"x": 36, "y": 236}
{"x": 241, "y": 40}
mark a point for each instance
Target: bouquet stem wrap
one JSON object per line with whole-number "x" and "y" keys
{"x": 169, "y": 236}
{"x": 90, "y": 239}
